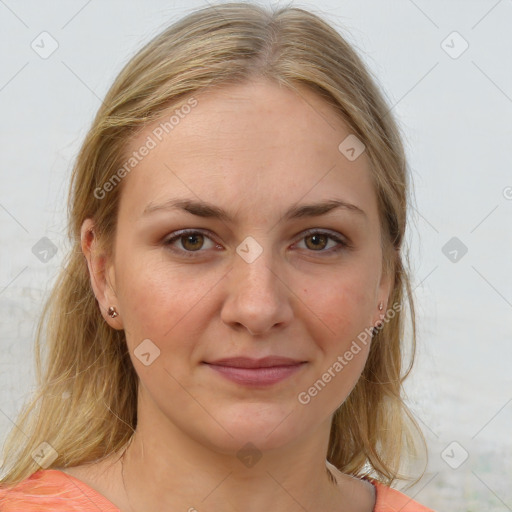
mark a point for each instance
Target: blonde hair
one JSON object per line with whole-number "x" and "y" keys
{"x": 223, "y": 44}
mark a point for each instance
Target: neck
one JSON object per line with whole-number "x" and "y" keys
{"x": 177, "y": 478}
{"x": 166, "y": 467}
{"x": 173, "y": 472}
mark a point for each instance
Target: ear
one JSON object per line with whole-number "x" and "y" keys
{"x": 384, "y": 290}
{"x": 101, "y": 272}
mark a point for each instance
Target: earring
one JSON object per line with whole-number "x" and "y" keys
{"x": 380, "y": 306}
{"x": 112, "y": 312}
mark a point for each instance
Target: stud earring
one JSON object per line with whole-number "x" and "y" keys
{"x": 380, "y": 306}
{"x": 112, "y": 312}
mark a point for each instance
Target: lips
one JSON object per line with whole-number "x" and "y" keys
{"x": 265, "y": 362}
{"x": 256, "y": 372}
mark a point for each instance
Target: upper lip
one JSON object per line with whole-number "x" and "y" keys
{"x": 247, "y": 362}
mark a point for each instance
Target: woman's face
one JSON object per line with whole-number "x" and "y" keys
{"x": 267, "y": 279}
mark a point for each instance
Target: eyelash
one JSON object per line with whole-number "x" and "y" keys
{"x": 191, "y": 254}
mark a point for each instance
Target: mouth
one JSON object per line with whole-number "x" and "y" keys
{"x": 256, "y": 372}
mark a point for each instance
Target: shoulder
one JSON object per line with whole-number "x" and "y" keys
{"x": 391, "y": 500}
{"x": 380, "y": 498}
{"x": 52, "y": 490}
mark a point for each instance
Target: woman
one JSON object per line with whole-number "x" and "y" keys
{"x": 227, "y": 333}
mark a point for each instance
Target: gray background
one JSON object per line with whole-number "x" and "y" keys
{"x": 456, "y": 111}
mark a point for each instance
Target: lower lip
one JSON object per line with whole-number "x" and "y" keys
{"x": 257, "y": 376}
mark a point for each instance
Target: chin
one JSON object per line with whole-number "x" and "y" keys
{"x": 261, "y": 425}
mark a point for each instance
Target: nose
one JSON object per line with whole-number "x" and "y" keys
{"x": 258, "y": 298}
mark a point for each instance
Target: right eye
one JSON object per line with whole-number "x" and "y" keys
{"x": 190, "y": 241}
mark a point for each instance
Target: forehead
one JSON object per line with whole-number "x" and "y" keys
{"x": 248, "y": 146}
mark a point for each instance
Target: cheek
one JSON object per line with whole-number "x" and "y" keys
{"x": 340, "y": 327}
{"x": 341, "y": 307}
{"x": 157, "y": 298}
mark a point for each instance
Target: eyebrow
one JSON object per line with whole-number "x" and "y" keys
{"x": 208, "y": 210}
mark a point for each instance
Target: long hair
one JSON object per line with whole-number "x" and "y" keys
{"x": 85, "y": 406}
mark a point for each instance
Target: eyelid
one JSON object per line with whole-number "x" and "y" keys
{"x": 176, "y": 235}
{"x": 334, "y": 235}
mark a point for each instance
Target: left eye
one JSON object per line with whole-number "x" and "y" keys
{"x": 193, "y": 241}
{"x": 319, "y": 241}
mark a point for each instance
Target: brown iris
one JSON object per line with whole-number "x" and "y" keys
{"x": 323, "y": 241}
{"x": 194, "y": 245}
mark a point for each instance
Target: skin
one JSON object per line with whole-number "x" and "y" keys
{"x": 254, "y": 150}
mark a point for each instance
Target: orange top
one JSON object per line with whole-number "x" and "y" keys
{"x": 52, "y": 490}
